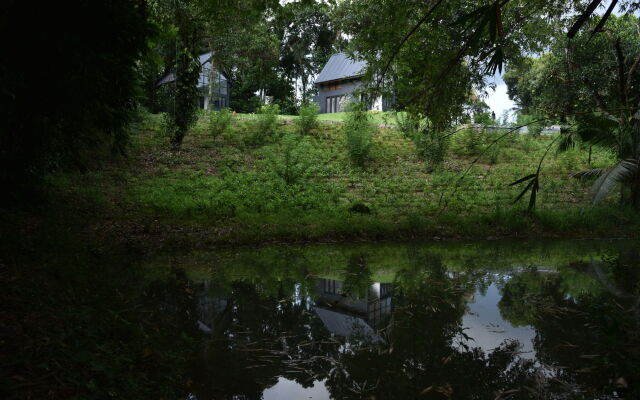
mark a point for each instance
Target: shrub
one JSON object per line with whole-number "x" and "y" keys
{"x": 431, "y": 145}
{"x": 308, "y": 118}
{"x": 265, "y": 127}
{"x": 409, "y": 124}
{"x": 294, "y": 161}
{"x": 167, "y": 126}
{"x": 219, "y": 121}
{"x": 268, "y": 120}
{"x": 472, "y": 138}
{"x": 359, "y": 134}
{"x": 495, "y": 150}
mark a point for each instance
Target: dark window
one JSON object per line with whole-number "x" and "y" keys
{"x": 334, "y": 104}
{"x": 329, "y": 286}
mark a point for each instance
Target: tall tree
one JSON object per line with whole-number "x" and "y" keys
{"x": 591, "y": 81}
{"x": 308, "y": 38}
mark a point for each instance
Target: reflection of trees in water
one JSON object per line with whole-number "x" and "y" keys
{"x": 591, "y": 336}
{"x": 357, "y": 277}
{"x": 262, "y": 339}
{"x": 265, "y": 337}
{"x": 267, "y": 328}
{"x": 424, "y": 355}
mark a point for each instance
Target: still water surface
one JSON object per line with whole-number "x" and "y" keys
{"x": 402, "y": 321}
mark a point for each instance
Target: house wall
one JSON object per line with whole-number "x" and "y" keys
{"x": 346, "y": 88}
{"x": 220, "y": 91}
{"x": 340, "y": 88}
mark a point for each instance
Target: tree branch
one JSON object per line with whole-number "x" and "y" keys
{"x": 583, "y": 18}
{"x": 632, "y": 71}
{"x": 403, "y": 41}
{"x": 621, "y": 75}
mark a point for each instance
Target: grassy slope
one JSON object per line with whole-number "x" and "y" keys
{"x": 221, "y": 190}
{"x": 385, "y": 117}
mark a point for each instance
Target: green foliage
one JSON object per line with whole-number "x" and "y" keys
{"x": 308, "y": 117}
{"x": 167, "y": 127}
{"x": 264, "y": 128}
{"x": 359, "y": 135}
{"x": 219, "y": 121}
{"x": 236, "y": 195}
{"x": 431, "y": 145}
{"x": 246, "y": 188}
{"x": 307, "y": 34}
{"x": 268, "y": 120}
{"x": 472, "y": 139}
{"x": 533, "y": 123}
{"x": 294, "y": 159}
{"x": 183, "y": 109}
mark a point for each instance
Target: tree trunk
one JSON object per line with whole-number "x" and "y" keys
{"x": 211, "y": 77}
{"x": 635, "y": 191}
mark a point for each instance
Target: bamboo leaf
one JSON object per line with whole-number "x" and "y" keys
{"x": 583, "y": 18}
{"x": 524, "y": 192}
{"x": 534, "y": 192}
{"x": 604, "y": 18}
{"x": 526, "y": 178}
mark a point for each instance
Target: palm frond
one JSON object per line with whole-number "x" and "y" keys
{"x": 606, "y": 182}
{"x": 589, "y": 173}
{"x": 597, "y": 129}
{"x": 597, "y": 136}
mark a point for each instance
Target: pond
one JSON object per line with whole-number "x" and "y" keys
{"x": 402, "y": 321}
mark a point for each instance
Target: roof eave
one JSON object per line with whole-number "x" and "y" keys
{"x": 340, "y": 79}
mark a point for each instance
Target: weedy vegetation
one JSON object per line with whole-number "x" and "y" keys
{"x": 261, "y": 180}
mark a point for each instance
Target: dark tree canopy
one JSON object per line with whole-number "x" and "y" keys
{"x": 69, "y": 81}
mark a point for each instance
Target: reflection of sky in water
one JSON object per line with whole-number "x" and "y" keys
{"x": 287, "y": 389}
{"x": 484, "y": 324}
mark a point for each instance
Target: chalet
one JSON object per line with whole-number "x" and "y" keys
{"x": 338, "y": 83}
{"x": 221, "y": 89}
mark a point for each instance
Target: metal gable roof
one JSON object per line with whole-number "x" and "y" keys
{"x": 204, "y": 77}
{"x": 204, "y": 58}
{"x": 340, "y": 66}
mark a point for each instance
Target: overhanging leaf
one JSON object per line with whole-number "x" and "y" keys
{"x": 526, "y": 178}
{"x": 625, "y": 169}
{"x": 583, "y": 18}
{"x": 534, "y": 192}
{"x": 526, "y": 189}
{"x": 590, "y": 173}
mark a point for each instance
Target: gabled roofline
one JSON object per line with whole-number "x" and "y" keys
{"x": 346, "y": 78}
{"x": 341, "y": 66}
{"x": 202, "y": 58}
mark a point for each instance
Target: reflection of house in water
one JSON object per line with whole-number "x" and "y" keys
{"x": 212, "y": 310}
{"x": 345, "y": 315}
